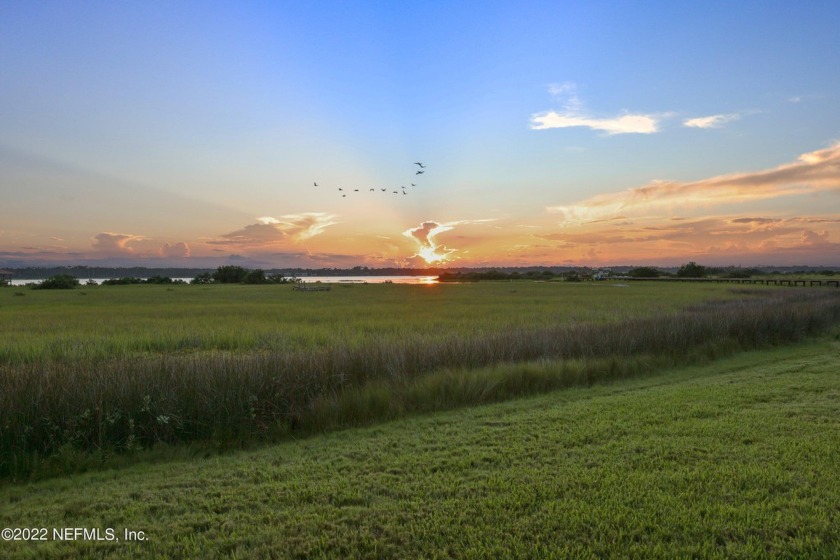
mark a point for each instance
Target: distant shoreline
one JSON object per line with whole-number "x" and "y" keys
{"x": 85, "y": 272}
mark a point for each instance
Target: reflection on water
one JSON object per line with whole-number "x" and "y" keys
{"x": 307, "y": 279}
{"x": 371, "y": 279}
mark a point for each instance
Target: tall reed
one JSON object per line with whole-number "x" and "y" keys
{"x": 126, "y": 404}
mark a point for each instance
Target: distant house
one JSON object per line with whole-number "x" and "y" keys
{"x": 5, "y": 277}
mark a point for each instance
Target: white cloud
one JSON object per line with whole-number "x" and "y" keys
{"x": 566, "y": 95}
{"x": 712, "y": 121}
{"x": 573, "y": 115}
{"x": 625, "y": 124}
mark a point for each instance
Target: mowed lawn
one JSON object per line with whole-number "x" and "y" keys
{"x": 736, "y": 459}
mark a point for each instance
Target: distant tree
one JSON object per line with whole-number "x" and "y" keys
{"x": 229, "y": 274}
{"x": 159, "y": 280}
{"x": 254, "y": 277}
{"x": 493, "y": 275}
{"x": 644, "y": 272}
{"x": 122, "y": 281}
{"x": 58, "y": 282}
{"x": 572, "y": 276}
{"x": 742, "y": 273}
{"x": 449, "y": 276}
{"x": 691, "y": 270}
{"x": 203, "y": 278}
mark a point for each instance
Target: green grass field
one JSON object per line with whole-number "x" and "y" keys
{"x": 108, "y": 322}
{"x": 735, "y": 459}
{"x": 94, "y": 376}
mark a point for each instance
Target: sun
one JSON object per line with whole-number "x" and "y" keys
{"x": 430, "y": 255}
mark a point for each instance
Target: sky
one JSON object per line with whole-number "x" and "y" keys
{"x": 573, "y": 133}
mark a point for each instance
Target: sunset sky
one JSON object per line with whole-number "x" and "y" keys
{"x": 191, "y": 134}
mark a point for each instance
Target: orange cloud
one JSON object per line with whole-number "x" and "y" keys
{"x": 268, "y": 230}
{"x": 177, "y": 250}
{"x": 812, "y": 172}
{"x": 115, "y": 243}
{"x": 732, "y": 239}
{"x": 424, "y": 235}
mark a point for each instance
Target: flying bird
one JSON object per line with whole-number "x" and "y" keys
{"x": 413, "y": 185}
{"x": 420, "y": 172}
{"x": 420, "y": 164}
{"x": 315, "y": 183}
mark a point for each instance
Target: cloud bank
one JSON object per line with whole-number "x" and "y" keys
{"x": 269, "y": 230}
{"x": 812, "y": 172}
{"x": 115, "y": 243}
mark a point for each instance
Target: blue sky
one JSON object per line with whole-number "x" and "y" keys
{"x": 192, "y": 132}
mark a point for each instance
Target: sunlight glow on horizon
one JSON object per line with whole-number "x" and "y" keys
{"x": 190, "y": 136}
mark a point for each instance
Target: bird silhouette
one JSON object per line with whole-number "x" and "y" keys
{"x": 355, "y": 190}
{"x": 371, "y": 190}
{"x": 339, "y": 188}
{"x": 420, "y": 164}
{"x": 413, "y": 185}
{"x": 383, "y": 190}
{"x": 316, "y": 184}
{"x": 420, "y": 172}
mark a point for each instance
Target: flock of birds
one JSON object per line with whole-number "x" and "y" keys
{"x": 386, "y": 189}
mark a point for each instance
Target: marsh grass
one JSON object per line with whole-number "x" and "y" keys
{"x": 52, "y": 410}
{"x": 734, "y": 459}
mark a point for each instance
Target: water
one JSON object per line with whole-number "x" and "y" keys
{"x": 307, "y": 279}
{"x": 370, "y": 279}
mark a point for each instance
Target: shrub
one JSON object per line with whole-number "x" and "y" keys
{"x": 121, "y": 281}
{"x": 203, "y": 278}
{"x": 58, "y": 282}
{"x": 159, "y": 280}
{"x": 229, "y": 274}
{"x": 644, "y": 272}
{"x": 691, "y": 270}
{"x": 254, "y": 277}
